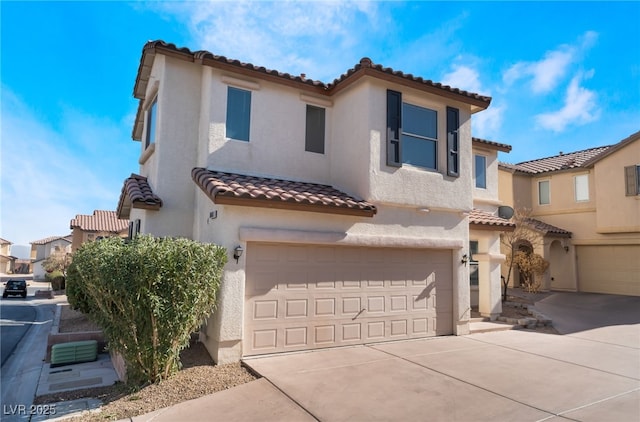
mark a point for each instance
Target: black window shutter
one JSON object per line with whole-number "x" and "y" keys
{"x": 631, "y": 181}
{"x": 453, "y": 144}
{"x": 394, "y": 124}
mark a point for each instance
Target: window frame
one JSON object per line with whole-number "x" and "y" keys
{"x": 576, "y": 190}
{"x": 473, "y": 263}
{"x": 548, "y": 182}
{"x": 151, "y": 120}
{"x": 315, "y": 142}
{"x": 632, "y": 180}
{"x": 243, "y": 131}
{"x": 431, "y": 142}
{"x": 475, "y": 170}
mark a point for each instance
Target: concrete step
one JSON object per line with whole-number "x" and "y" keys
{"x": 476, "y": 327}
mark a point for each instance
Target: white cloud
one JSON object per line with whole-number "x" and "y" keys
{"x": 294, "y": 37}
{"x": 51, "y": 174}
{"x": 487, "y": 123}
{"x": 464, "y": 77}
{"x": 579, "y": 108}
{"x": 546, "y": 74}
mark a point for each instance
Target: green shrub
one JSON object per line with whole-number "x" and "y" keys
{"x": 148, "y": 295}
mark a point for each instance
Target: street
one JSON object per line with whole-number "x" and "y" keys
{"x": 24, "y": 326}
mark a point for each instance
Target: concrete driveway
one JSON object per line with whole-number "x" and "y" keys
{"x": 591, "y": 374}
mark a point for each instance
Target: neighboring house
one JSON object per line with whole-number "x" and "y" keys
{"x": 7, "y": 261}
{"x": 586, "y": 206}
{"x": 87, "y": 228}
{"x": 43, "y": 248}
{"x": 344, "y": 206}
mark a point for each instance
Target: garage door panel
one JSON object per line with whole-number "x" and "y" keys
{"x": 612, "y": 269}
{"x": 332, "y": 296}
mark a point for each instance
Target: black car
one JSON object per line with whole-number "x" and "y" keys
{"x": 16, "y": 287}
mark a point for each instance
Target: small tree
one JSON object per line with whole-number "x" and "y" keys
{"x": 531, "y": 266}
{"x": 148, "y": 295}
{"x": 59, "y": 260}
{"x": 513, "y": 239}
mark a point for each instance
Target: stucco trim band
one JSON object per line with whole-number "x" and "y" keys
{"x": 258, "y": 234}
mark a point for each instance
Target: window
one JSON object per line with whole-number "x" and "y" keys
{"x": 473, "y": 264}
{"x": 314, "y": 139}
{"x": 582, "y": 187}
{"x": 632, "y": 180}
{"x": 151, "y": 122}
{"x": 544, "y": 195}
{"x": 238, "y": 113}
{"x": 412, "y": 135}
{"x": 480, "y": 164}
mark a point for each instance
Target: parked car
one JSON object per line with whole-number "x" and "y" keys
{"x": 15, "y": 286}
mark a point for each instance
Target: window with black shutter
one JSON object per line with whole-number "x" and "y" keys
{"x": 394, "y": 122}
{"x": 453, "y": 145}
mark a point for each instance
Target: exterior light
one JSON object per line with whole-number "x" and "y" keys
{"x": 465, "y": 259}
{"x": 237, "y": 252}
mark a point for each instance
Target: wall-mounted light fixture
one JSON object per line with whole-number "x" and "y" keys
{"x": 464, "y": 259}
{"x": 566, "y": 248}
{"x": 237, "y": 252}
{"x": 212, "y": 215}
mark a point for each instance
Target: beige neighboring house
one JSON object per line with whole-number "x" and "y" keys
{"x": 586, "y": 207}
{"x": 43, "y": 248}
{"x": 344, "y": 207}
{"x": 7, "y": 261}
{"x": 87, "y": 228}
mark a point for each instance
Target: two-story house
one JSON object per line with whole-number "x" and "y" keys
{"x": 7, "y": 261}
{"x": 41, "y": 249}
{"x": 88, "y": 228}
{"x": 344, "y": 206}
{"x": 586, "y": 205}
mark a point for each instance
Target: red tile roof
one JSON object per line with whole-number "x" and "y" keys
{"x": 100, "y": 221}
{"x": 484, "y": 218}
{"x": 51, "y": 239}
{"x": 547, "y": 228}
{"x": 137, "y": 193}
{"x": 364, "y": 68}
{"x": 4, "y": 241}
{"x": 239, "y": 189}
{"x": 492, "y": 144}
{"x": 558, "y": 162}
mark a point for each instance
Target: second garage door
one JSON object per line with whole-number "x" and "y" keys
{"x": 300, "y": 297}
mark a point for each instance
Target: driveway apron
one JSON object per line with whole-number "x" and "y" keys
{"x": 501, "y": 376}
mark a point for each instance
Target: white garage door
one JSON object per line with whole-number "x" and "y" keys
{"x": 612, "y": 269}
{"x": 300, "y": 297}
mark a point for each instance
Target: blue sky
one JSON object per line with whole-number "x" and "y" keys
{"x": 563, "y": 77}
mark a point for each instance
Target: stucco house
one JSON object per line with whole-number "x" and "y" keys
{"x": 345, "y": 207}
{"x": 586, "y": 207}
{"x": 7, "y": 261}
{"x": 41, "y": 249}
{"x": 87, "y": 228}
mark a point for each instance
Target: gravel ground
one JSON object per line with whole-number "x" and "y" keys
{"x": 198, "y": 377}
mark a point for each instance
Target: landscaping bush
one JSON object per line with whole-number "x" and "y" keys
{"x": 148, "y": 295}
{"x": 57, "y": 280}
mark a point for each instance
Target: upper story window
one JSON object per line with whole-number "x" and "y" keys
{"x": 632, "y": 180}
{"x": 581, "y": 183}
{"x": 544, "y": 192}
{"x": 238, "y": 113}
{"x": 419, "y": 136}
{"x": 480, "y": 170}
{"x": 314, "y": 138}
{"x": 412, "y": 135}
{"x": 151, "y": 123}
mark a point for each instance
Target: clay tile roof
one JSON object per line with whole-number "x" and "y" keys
{"x": 51, "y": 239}
{"x": 492, "y": 144}
{"x": 100, "y": 221}
{"x": 4, "y": 241}
{"x": 483, "y": 218}
{"x": 137, "y": 193}
{"x": 252, "y": 191}
{"x": 546, "y": 228}
{"x": 561, "y": 161}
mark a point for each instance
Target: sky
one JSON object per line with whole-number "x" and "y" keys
{"x": 563, "y": 76}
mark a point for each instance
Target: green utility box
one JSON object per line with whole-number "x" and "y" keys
{"x": 74, "y": 352}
